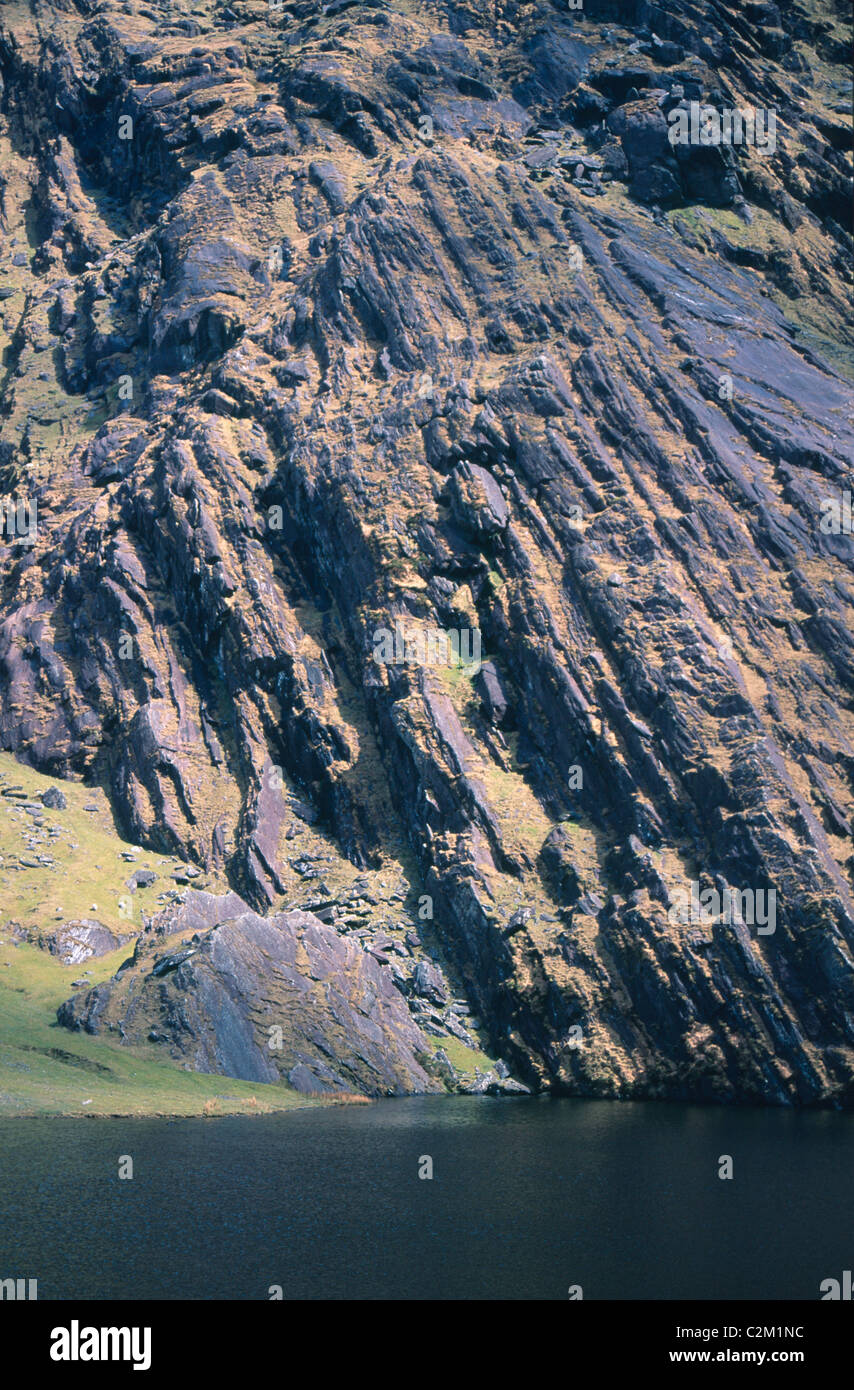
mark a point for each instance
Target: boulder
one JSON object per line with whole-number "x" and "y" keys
{"x": 282, "y": 998}
{"x": 477, "y": 501}
{"x": 54, "y": 799}
{"x": 76, "y": 941}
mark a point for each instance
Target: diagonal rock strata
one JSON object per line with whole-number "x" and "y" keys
{"x": 385, "y": 319}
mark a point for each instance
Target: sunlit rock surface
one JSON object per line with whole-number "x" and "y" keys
{"x": 324, "y": 321}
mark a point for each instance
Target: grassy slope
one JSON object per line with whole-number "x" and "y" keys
{"x": 44, "y": 1069}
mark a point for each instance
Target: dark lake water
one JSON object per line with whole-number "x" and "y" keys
{"x": 528, "y": 1197}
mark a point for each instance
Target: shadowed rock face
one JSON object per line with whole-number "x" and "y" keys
{"x": 397, "y": 318}
{"x": 282, "y": 998}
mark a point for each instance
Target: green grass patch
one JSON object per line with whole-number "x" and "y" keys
{"x": 466, "y": 1060}
{"x": 89, "y": 875}
{"x": 47, "y": 1070}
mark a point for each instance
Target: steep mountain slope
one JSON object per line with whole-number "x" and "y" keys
{"x": 323, "y": 323}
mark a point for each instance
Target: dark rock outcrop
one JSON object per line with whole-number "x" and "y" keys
{"x": 279, "y": 998}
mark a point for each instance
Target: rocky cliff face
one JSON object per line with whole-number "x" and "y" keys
{"x": 430, "y": 452}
